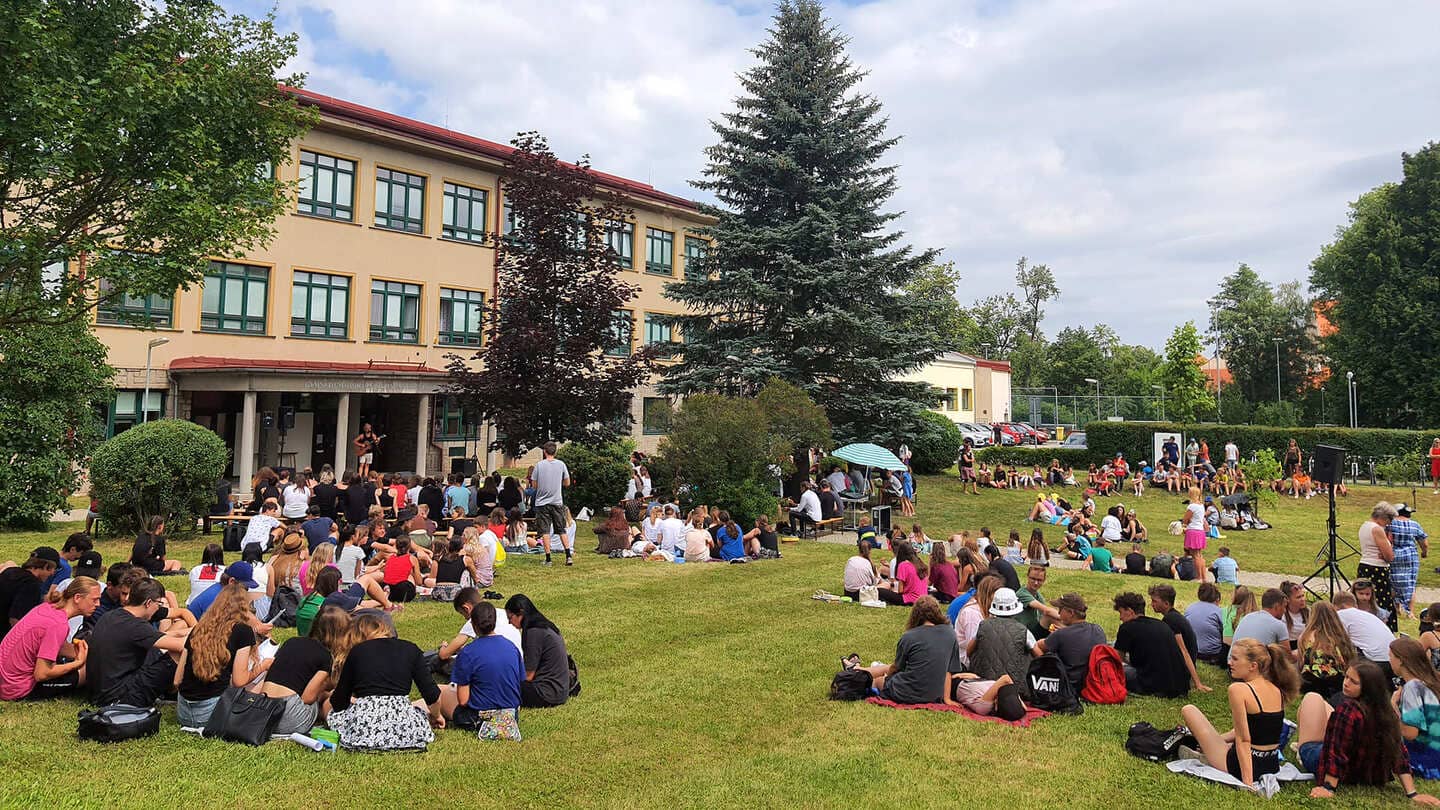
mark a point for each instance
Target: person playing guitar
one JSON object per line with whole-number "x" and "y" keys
{"x": 365, "y": 445}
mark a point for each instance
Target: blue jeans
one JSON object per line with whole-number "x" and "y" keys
{"x": 194, "y": 713}
{"x": 1310, "y": 755}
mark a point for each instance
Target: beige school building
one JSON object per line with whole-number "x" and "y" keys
{"x": 381, "y": 267}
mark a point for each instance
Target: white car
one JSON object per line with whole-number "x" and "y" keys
{"x": 978, "y": 436}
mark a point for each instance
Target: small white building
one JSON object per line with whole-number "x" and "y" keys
{"x": 972, "y": 389}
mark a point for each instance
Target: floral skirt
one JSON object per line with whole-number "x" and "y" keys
{"x": 382, "y": 723}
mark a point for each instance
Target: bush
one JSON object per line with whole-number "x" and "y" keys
{"x": 167, "y": 467}
{"x": 1276, "y": 414}
{"x": 1030, "y": 456}
{"x": 936, "y": 444}
{"x": 717, "y": 453}
{"x": 1133, "y": 438}
{"x": 1401, "y": 469}
{"x": 599, "y": 474}
{"x": 1262, "y": 469}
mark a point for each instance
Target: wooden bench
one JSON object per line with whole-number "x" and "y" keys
{"x": 827, "y": 526}
{"x": 209, "y": 520}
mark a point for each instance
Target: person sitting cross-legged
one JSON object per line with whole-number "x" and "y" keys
{"x": 925, "y": 655}
{"x": 484, "y": 690}
{"x": 1156, "y": 662}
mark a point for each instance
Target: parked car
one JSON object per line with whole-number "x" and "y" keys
{"x": 978, "y": 435}
{"x": 1041, "y": 435}
{"x": 1008, "y": 434}
{"x": 1027, "y": 433}
{"x": 1076, "y": 439}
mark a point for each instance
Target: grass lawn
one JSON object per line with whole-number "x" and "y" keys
{"x": 704, "y": 685}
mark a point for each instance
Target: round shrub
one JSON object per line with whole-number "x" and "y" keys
{"x": 936, "y": 444}
{"x": 599, "y": 474}
{"x": 166, "y": 467}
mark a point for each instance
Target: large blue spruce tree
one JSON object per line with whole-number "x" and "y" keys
{"x": 804, "y": 282}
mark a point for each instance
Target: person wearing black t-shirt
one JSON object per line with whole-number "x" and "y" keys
{"x": 218, "y": 655}
{"x": 222, "y": 505}
{"x": 130, "y": 661}
{"x": 1156, "y": 662}
{"x": 1162, "y": 601}
{"x": 1136, "y": 562}
{"x": 548, "y": 679}
{"x": 301, "y": 669}
{"x": 371, "y": 707}
{"x": 22, "y": 586}
{"x": 324, "y": 495}
{"x": 999, "y": 565}
{"x": 358, "y": 496}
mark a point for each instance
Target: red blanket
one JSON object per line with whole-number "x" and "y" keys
{"x": 1024, "y": 722}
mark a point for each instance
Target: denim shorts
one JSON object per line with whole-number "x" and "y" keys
{"x": 194, "y": 713}
{"x": 1310, "y": 755}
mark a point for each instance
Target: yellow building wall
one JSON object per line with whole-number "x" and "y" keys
{"x": 945, "y": 375}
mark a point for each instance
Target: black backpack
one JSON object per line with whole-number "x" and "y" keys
{"x": 850, "y": 684}
{"x": 234, "y": 534}
{"x": 117, "y": 723}
{"x": 1048, "y": 688}
{"x": 1147, "y": 742}
{"x": 284, "y": 606}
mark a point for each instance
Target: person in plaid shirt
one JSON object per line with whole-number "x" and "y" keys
{"x": 1410, "y": 543}
{"x": 1357, "y": 742}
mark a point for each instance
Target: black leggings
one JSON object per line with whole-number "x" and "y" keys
{"x": 890, "y": 597}
{"x": 402, "y": 591}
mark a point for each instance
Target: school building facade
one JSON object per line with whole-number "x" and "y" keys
{"x": 381, "y": 268}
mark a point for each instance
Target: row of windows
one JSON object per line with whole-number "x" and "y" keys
{"x": 327, "y": 189}
{"x": 958, "y": 399}
{"x": 236, "y": 299}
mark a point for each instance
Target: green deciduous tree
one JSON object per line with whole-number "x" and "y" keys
{"x": 1037, "y": 286}
{"x": 1074, "y": 355}
{"x": 806, "y": 278}
{"x": 1185, "y": 396}
{"x": 138, "y": 136}
{"x": 1248, "y": 315}
{"x": 53, "y": 383}
{"x": 792, "y": 417}
{"x": 1381, "y": 277}
{"x": 543, "y": 372}
{"x": 954, "y": 326}
{"x": 717, "y": 453}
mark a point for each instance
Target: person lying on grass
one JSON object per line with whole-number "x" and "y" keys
{"x": 1265, "y": 681}
{"x": 1357, "y": 742}
{"x": 924, "y": 657}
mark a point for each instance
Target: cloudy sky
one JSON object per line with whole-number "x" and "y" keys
{"x": 1141, "y": 149}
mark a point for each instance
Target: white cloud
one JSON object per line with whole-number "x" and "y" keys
{"x": 1141, "y": 149}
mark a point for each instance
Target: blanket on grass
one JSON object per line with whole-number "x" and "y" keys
{"x": 1024, "y": 722}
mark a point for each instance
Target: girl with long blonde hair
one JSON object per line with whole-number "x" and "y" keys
{"x": 1325, "y": 651}
{"x": 219, "y": 653}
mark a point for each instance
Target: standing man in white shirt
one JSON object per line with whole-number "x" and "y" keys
{"x": 1232, "y": 455}
{"x": 551, "y": 477}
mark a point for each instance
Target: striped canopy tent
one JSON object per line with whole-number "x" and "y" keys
{"x": 869, "y": 455}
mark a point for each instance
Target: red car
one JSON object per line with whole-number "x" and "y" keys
{"x": 1009, "y": 434}
{"x": 1041, "y": 435}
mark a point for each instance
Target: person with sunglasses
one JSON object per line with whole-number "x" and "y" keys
{"x": 130, "y": 660}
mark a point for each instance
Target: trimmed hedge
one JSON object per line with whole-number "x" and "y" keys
{"x": 164, "y": 467}
{"x": 1133, "y": 439}
{"x": 1030, "y": 456}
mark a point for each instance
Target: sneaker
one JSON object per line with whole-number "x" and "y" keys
{"x": 546, "y": 563}
{"x": 1186, "y": 752}
{"x": 569, "y": 560}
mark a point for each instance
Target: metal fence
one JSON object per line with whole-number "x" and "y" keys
{"x": 1043, "y": 406}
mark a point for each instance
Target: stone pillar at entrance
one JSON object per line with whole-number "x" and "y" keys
{"x": 342, "y": 435}
{"x": 422, "y": 436}
{"x": 245, "y": 464}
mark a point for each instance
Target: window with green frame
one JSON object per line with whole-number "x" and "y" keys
{"x": 657, "y": 329}
{"x": 320, "y": 305}
{"x": 124, "y": 410}
{"x": 655, "y": 413}
{"x": 463, "y": 215}
{"x": 234, "y": 298}
{"x": 394, "y": 312}
{"x": 462, "y": 314}
{"x": 399, "y": 201}
{"x": 696, "y": 251}
{"x": 152, "y": 310}
{"x": 509, "y": 223}
{"x": 620, "y": 237}
{"x": 659, "y": 252}
{"x": 622, "y": 332}
{"x": 452, "y": 421}
{"x": 327, "y": 186}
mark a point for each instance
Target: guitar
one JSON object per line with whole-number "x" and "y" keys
{"x": 369, "y": 445}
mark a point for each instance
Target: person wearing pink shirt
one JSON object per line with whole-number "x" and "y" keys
{"x": 36, "y": 660}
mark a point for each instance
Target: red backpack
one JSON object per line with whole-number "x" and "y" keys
{"x": 1105, "y": 676}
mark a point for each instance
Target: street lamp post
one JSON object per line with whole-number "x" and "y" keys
{"x": 1322, "y": 404}
{"x": 145, "y": 403}
{"x": 1097, "y": 396}
{"x": 1350, "y": 395}
{"x": 1277, "y": 370}
{"x": 1162, "y": 400}
{"x": 985, "y": 347}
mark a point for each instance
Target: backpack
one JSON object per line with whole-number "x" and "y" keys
{"x": 284, "y": 606}
{"x": 1185, "y": 568}
{"x": 850, "y": 684}
{"x": 1048, "y": 688}
{"x": 234, "y": 534}
{"x": 1147, "y": 742}
{"x": 117, "y": 723}
{"x": 1104, "y": 676}
{"x": 1160, "y": 565}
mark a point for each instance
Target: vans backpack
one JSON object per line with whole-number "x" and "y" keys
{"x": 1048, "y": 688}
{"x": 1105, "y": 676}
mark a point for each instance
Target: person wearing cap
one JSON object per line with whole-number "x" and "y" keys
{"x": 1410, "y": 543}
{"x": 36, "y": 659}
{"x": 1074, "y": 640}
{"x": 242, "y": 572}
{"x": 130, "y": 661}
{"x": 1002, "y": 644}
{"x": 1155, "y": 659}
{"x": 22, "y": 587}
{"x": 90, "y": 564}
{"x": 925, "y": 655}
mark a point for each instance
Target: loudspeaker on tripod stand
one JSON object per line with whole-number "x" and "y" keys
{"x": 1330, "y": 467}
{"x": 1329, "y": 463}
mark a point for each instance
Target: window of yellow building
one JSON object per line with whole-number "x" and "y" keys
{"x": 967, "y": 399}
{"x": 320, "y": 305}
{"x": 327, "y": 186}
{"x": 659, "y": 252}
{"x": 399, "y": 201}
{"x": 462, "y": 315}
{"x": 394, "y": 312}
{"x": 235, "y": 298}
{"x": 462, "y": 216}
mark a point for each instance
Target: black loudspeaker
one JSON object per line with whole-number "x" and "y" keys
{"x": 1329, "y": 464}
{"x": 267, "y": 420}
{"x": 464, "y": 466}
{"x": 287, "y": 417}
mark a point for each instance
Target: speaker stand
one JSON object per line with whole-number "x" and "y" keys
{"x": 1330, "y": 553}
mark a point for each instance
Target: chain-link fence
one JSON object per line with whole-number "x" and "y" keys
{"x": 1043, "y": 406}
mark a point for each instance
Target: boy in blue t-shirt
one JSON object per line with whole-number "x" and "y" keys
{"x": 1225, "y": 569}
{"x": 486, "y": 678}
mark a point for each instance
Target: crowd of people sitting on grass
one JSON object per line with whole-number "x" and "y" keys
{"x": 118, "y": 636}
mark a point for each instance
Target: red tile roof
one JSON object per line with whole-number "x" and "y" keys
{"x": 220, "y": 363}
{"x": 459, "y": 140}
